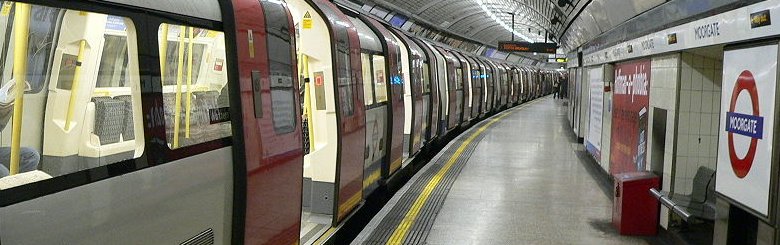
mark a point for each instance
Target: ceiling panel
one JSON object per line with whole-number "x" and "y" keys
{"x": 571, "y": 23}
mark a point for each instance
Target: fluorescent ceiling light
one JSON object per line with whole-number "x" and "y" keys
{"x": 500, "y": 22}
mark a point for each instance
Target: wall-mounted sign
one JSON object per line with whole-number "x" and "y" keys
{"x": 548, "y": 48}
{"x": 628, "y": 146}
{"x": 746, "y": 119}
{"x": 596, "y": 88}
{"x": 557, "y": 60}
{"x": 760, "y": 18}
{"x": 307, "y": 22}
{"x": 671, "y": 38}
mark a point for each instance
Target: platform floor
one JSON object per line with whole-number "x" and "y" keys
{"x": 522, "y": 184}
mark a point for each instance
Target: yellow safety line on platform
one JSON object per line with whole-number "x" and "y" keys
{"x": 324, "y": 237}
{"x": 403, "y": 228}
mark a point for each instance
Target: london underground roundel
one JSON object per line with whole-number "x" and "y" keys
{"x": 750, "y": 125}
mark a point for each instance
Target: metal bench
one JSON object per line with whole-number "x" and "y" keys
{"x": 700, "y": 204}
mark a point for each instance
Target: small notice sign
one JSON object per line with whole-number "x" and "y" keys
{"x": 307, "y": 23}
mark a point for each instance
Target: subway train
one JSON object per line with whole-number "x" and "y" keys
{"x": 217, "y": 122}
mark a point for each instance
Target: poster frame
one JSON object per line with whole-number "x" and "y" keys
{"x": 772, "y": 207}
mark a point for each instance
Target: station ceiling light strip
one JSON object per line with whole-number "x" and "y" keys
{"x": 501, "y": 22}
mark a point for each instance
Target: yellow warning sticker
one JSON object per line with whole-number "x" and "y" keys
{"x": 251, "y": 37}
{"x": 307, "y": 20}
{"x": 6, "y": 8}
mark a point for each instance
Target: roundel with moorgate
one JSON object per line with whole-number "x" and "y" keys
{"x": 750, "y": 125}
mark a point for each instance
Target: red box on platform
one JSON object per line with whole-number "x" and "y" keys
{"x": 635, "y": 211}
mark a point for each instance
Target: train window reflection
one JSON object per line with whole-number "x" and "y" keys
{"x": 459, "y": 79}
{"x": 81, "y": 92}
{"x": 368, "y": 90}
{"x": 426, "y": 77}
{"x": 281, "y": 68}
{"x": 380, "y": 78}
{"x": 194, "y": 79}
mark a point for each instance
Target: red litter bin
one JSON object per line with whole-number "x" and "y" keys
{"x": 635, "y": 211}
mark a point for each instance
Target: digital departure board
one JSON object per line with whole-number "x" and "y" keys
{"x": 548, "y": 48}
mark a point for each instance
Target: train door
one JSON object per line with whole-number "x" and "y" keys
{"x": 454, "y": 88}
{"x": 374, "y": 73}
{"x": 412, "y": 63}
{"x": 394, "y": 84}
{"x": 329, "y": 51}
{"x": 527, "y": 85}
{"x": 464, "y": 72}
{"x": 270, "y": 109}
{"x": 515, "y": 86}
{"x": 483, "y": 84}
{"x": 489, "y": 98}
{"x": 476, "y": 87}
{"x": 503, "y": 85}
{"x": 443, "y": 86}
{"x": 430, "y": 82}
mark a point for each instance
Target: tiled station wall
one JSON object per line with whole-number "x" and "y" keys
{"x": 664, "y": 81}
{"x": 699, "y": 111}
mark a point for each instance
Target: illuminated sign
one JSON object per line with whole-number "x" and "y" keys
{"x": 671, "y": 38}
{"x": 760, "y": 18}
{"x": 557, "y": 60}
{"x": 549, "y": 48}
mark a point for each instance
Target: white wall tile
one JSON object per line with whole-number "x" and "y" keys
{"x": 685, "y": 101}
{"x": 708, "y": 84}
{"x": 695, "y": 101}
{"x": 706, "y": 102}
{"x": 696, "y": 79}
{"x": 685, "y": 78}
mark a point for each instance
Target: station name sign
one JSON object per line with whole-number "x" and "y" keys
{"x": 549, "y": 48}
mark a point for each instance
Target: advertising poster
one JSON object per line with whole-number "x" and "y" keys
{"x": 593, "y": 141}
{"x": 628, "y": 146}
{"x": 746, "y": 117}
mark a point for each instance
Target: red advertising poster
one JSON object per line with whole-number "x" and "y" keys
{"x": 629, "y": 117}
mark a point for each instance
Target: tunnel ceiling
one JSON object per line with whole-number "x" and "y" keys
{"x": 570, "y": 22}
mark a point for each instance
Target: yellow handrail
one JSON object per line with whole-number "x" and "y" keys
{"x": 74, "y": 85}
{"x": 189, "y": 85}
{"x": 304, "y": 60}
{"x": 21, "y": 31}
{"x": 179, "y": 77}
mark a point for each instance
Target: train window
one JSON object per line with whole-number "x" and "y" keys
{"x": 459, "y": 79}
{"x": 80, "y": 90}
{"x": 346, "y": 98}
{"x": 426, "y": 78}
{"x": 380, "y": 78}
{"x": 194, "y": 79}
{"x": 368, "y": 89}
{"x": 281, "y": 67}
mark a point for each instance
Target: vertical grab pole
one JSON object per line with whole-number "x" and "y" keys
{"x": 74, "y": 88}
{"x": 179, "y": 77}
{"x": 189, "y": 84}
{"x": 21, "y": 31}
{"x": 307, "y": 100}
